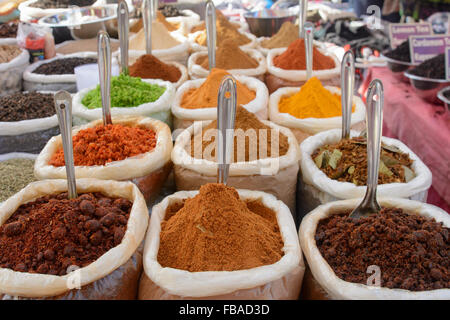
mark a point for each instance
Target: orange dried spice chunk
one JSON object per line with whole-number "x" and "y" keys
{"x": 103, "y": 144}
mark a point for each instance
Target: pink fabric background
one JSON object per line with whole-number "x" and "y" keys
{"x": 422, "y": 126}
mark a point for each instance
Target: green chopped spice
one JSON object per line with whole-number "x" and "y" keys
{"x": 15, "y": 174}
{"x": 126, "y": 91}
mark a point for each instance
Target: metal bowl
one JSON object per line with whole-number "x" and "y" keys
{"x": 398, "y": 68}
{"x": 427, "y": 88}
{"x": 265, "y": 23}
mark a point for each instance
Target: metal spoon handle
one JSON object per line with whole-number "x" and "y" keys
{"x": 63, "y": 106}
{"x": 308, "y": 26}
{"x": 104, "y": 69}
{"x": 154, "y": 8}
{"x": 302, "y": 10}
{"x": 347, "y": 87}
{"x": 122, "y": 15}
{"x": 210, "y": 17}
{"x": 147, "y": 17}
{"x": 226, "y": 114}
{"x": 374, "y": 120}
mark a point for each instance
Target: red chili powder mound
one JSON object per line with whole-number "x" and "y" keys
{"x": 50, "y": 234}
{"x": 216, "y": 231}
{"x": 103, "y": 144}
{"x": 294, "y": 58}
{"x": 148, "y": 66}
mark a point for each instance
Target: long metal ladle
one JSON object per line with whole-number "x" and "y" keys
{"x": 302, "y": 10}
{"x": 308, "y": 30}
{"x": 104, "y": 69}
{"x": 63, "y": 106}
{"x": 374, "y": 121}
{"x": 347, "y": 87}
{"x": 123, "y": 22}
{"x": 147, "y": 16}
{"x": 226, "y": 115}
{"x": 211, "y": 36}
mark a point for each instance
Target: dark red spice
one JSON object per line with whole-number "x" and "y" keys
{"x": 53, "y": 233}
{"x": 148, "y": 66}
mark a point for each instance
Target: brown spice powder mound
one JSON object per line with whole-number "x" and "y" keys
{"x": 148, "y": 66}
{"x": 354, "y": 154}
{"x": 216, "y": 231}
{"x": 245, "y": 120}
{"x": 50, "y": 234}
{"x": 412, "y": 251}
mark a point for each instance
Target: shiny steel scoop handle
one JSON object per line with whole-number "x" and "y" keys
{"x": 63, "y": 107}
{"x": 123, "y": 23}
{"x": 210, "y": 21}
{"x": 374, "y": 121}
{"x": 226, "y": 115}
{"x": 104, "y": 69}
{"x": 308, "y": 31}
{"x": 147, "y": 16}
{"x": 302, "y": 11}
{"x": 347, "y": 88}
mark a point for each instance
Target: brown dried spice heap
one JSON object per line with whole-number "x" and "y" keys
{"x": 347, "y": 161}
{"x": 413, "y": 252}
{"x": 53, "y": 233}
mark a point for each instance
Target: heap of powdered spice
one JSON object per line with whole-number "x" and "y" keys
{"x": 205, "y": 96}
{"x": 294, "y": 58}
{"x": 229, "y": 56}
{"x": 411, "y": 251}
{"x": 287, "y": 34}
{"x": 148, "y": 66}
{"x": 161, "y": 38}
{"x": 52, "y": 233}
{"x": 15, "y": 174}
{"x": 312, "y": 101}
{"x": 253, "y": 148}
{"x": 221, "y": 20}
{"x": 103, "y": 144}
{"x": 217, "y": 231}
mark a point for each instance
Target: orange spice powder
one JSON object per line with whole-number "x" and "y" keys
{"x": 103, "y": 144}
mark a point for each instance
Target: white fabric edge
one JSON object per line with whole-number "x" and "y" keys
{"x": 39, "y": 285}
{"x": 347, "y": 190}
{"x": 340, "y": 289}
{"x": 311, "y": 125}
{"x": 257, "y": 105}
{"x": 267, "y": 166}
{"x": 20, "y": 60}
{"x": 126, "y": 169}
{"x": 211, "y": 283}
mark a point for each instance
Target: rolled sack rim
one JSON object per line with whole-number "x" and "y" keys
{"x": 347, "y": 190}
{"x": 195, "y": 47}
{"x": 254, "y": 106}
{"x": 311, "y": 125}
{"x": 211, "y": 283}
{"x": 340, "y": 289}
{"x": 267, "y": 166}
{"x": 126, "y": 169}
{"x": 25, "y": 284}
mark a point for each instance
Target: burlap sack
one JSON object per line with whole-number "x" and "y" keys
{"x": 195, "y": 47}
{"x": 316, "y": 188}
{"x": 322, "y": 283}
{"x": 160, "y": 109}
{"x": 114, "y": 275}
{"x": 196, "y": 71}
{"x": 183, "y": 117}
{"x": 281, "y": 280}
{"x": 148, "y": 170}
{"x": 303, "y": 128}
{"x": 277, "y": 78}
{"x": 277, "y": 176}
{"x": 11, "y": 73}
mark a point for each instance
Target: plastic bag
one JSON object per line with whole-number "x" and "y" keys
{"x": 183, "y": 117}
{"x": 317, "y": 188}
{"x": 133, "y": 55}
{"x": 323, "y": 282}
{"x": 148, "y": 170}
{"x": 160, "y": 109}
{"x": 303, "y": 128}
{"x": 195, "y": 47}
{"x": 38, "y": 40}
{"x": 281, "y": 280}
{"x": 196, "y": 71}
{"x": 108, "y": 276}
{"x": 11, "y": 73}
{"x": 277, "y": 176}
{"x": 53, "y": 82}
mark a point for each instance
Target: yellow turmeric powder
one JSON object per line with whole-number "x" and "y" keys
{"x": 312, "y": 101}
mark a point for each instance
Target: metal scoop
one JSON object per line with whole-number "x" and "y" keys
{"x": 63, "y": 106}
{"x": 302, "y": 10}
{"x": 226, "y": 114}
{"x": 122, "y": 15}
{"x": 308, "y": 30}
{"x": 210, "y": 18}
{"x": 374, "y": 120}
{"x": 104, "y": 69}
{"x": 147, "y": 16}
{"x": 347, "y": 87}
